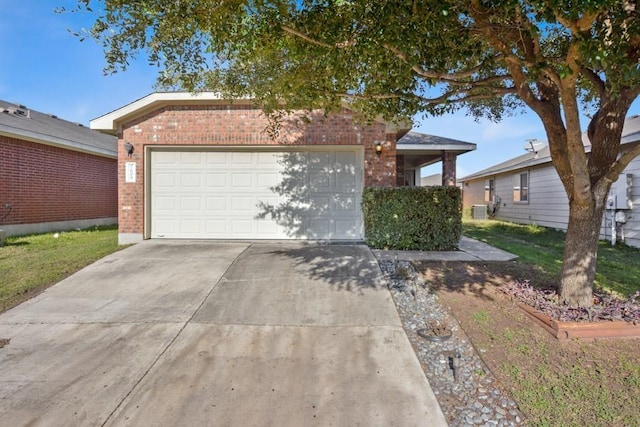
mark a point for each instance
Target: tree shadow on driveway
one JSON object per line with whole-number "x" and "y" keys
{"x": 346, "y": 267}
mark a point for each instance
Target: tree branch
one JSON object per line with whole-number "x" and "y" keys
{"x": 485, "y": 83}
{"x": 363, "y": 97}
{"x": 595, "y": 79}
{"x": 621, "y": 164}
{"x": 576, "y": 26}
{"x": 305, "y": 37}
{"x": 443, "y": 77}
{"x": 447, "y": 97}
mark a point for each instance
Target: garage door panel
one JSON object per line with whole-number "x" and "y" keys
{"x": 242, "y": 159}
{"x": 268, "y": 180}
{"x": 346, "y": 181}
{"x": 163, "y": 159}
{"x": 166, "y": 226}
{"x": 242, "y": 227}
{"x": 320, "y": 159}
{"x": 268, "y": 160}
{"x": 188, "y": 158}
{"x": 166, "y": 203}
{"x": 344, "y": 203}
{"x": 345, "y": 161}
{"x": 216, "y": 203}
{"x": 190, "y": 180}
{"x": 318, "y": 205}
{"x": 190, "y": 226}
{"x": 216, "y": 180}
{"x": 319, "y": 227}
{"x": 216, "y": 158}
{"x": 242, "y": 205}
{"x": 213, "y": 194}
{"x": 268, "y": 228}
{"x": 346, "y": 228}
{"x": 165, "y": 179}
{"x": 262, "y": 203}
{"x": 191, "y": 205}
{"x": 319, "y": 180}
{"x": 216, "y": 227}
{"x": 242, "y": 180}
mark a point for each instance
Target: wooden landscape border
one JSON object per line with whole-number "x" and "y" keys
{"x": 569, "y": 330}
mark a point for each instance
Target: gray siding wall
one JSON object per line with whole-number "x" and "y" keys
{"x": 548, "y": 205}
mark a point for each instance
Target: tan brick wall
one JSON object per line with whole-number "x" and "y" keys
{"x": 48, "y": 184}
{"x": 473, "y": 193}
{"x": 241, "y": 125}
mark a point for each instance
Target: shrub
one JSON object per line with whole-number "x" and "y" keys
{"x": 412, "y": 218}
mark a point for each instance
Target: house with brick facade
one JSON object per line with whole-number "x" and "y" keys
{"x": 198, "y": 166}
{"x": 54, "y": 174}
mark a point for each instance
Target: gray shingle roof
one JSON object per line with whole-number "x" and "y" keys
{"x": 428, "y": 141}
{"x": 21, "y": 122}
{"x": 630, "y": 133}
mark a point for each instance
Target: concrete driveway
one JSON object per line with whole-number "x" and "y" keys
{"x": 215, "y": 334}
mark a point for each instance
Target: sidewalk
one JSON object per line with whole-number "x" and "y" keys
{"x": 471, "y": 250}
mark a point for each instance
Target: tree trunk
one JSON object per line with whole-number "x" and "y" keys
{"x": 580, "y": 253}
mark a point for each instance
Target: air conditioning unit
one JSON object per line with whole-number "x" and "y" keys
{"x": 479, "y": 212}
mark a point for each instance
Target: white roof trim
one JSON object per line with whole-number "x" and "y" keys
{"x": 112, "y": 122}
{"x": 435, "y": 147}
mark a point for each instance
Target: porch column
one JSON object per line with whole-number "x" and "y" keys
{"x": 399, "y": 170}
{"x": 449, "y": 168}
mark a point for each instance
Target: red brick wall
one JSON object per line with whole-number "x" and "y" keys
{"x": 46, "y": 184}
{"x": 241, "y": 125}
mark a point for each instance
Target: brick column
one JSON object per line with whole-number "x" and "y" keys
{"x": 399, "y": 171}
{"x": 449, "y": 168}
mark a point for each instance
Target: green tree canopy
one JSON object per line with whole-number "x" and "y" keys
{"x": 401, "y": 58}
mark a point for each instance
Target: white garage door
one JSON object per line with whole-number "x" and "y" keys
{"x": 256, "y": 195}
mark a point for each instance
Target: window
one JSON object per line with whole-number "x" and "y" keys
{"x": 521, "y": 188}
{"x": 490, "y": 190}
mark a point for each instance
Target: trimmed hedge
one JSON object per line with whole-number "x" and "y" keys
{"x": 413, "y": 218}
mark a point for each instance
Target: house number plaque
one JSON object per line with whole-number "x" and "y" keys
{"x": 130, "y": 172}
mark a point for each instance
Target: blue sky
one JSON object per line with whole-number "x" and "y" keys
{"x": 44, "y": 67}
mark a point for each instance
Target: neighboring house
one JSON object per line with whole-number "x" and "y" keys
{"x": 54, "y": 174}
{"x": 527, "y": 190}
{"x": 197, "y": 166}
{"x": 431, "y": 180}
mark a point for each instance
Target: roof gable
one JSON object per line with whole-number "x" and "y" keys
{"x": 112, "y": 122}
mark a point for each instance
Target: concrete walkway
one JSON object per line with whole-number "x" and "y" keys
{"x": 215, "y": 334}
{"x": 471, "y": 250}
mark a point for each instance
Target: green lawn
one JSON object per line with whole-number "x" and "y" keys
{"x": 29, "y": 264}
{"x": 618, "y": 268}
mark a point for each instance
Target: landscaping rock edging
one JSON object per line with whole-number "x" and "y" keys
{"x": 468, "y": 395}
